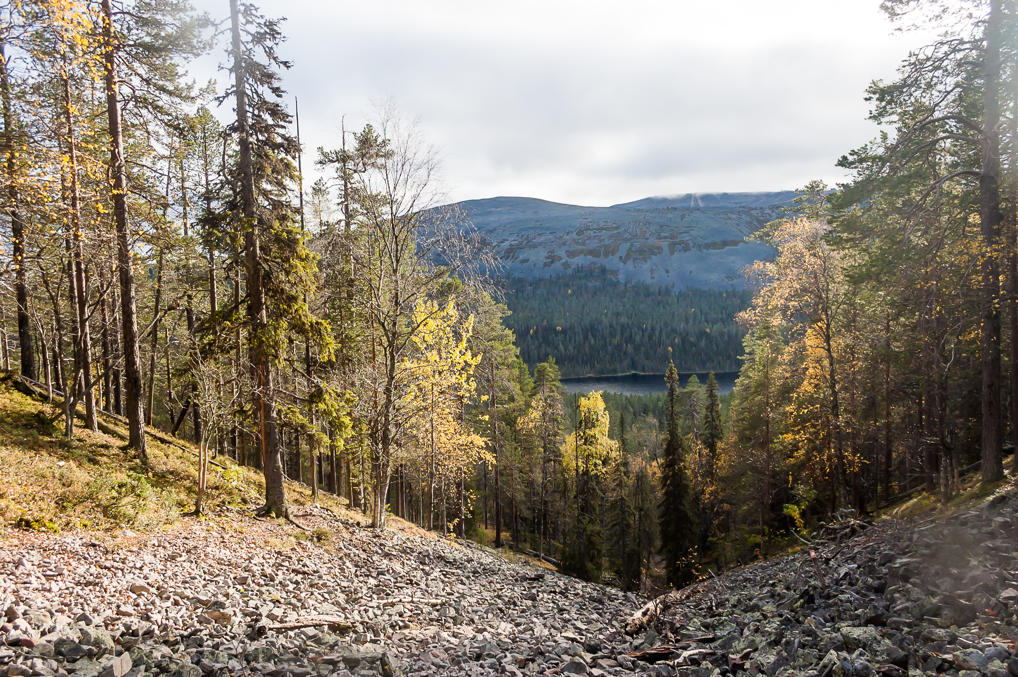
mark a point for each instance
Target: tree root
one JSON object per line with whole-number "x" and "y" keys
{"x": 264, "y": 511}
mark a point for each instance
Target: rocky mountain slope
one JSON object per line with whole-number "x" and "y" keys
{"x": 680, "y": 242}
{"x": 938, "y": 596}
{"x": 242, "y": 596}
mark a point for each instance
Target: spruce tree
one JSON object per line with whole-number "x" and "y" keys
{"x": 675, "y": 518}
{"x": 712, "y": 425}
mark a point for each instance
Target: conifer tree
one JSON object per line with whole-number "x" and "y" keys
{"x": 676, "y": 522}
{"x": 712, "y": 425}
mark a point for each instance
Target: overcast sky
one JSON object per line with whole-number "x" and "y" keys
{"x": 593, "y": 102}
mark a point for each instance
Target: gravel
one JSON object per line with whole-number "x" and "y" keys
{"x": 236, "y": 595}
{"x": 205, "y": 598}
{"x": 902, "y": 598}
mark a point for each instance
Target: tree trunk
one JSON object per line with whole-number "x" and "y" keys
{"x": 1013, "y": 232}
{"x": 189, "y": 310}
{"x": 334, "y": 481}
{"x": 82, "y": 337}
{"x": 989, "y": 202}
{"x": 107, "y": 346}
{"x": 154, "y": 348}
{"x": 135, "y": 411}
{"x": 493, "y": 413}
{"x": 888, "y": 451}
{"x": 17, "y": 228}
{"x": 263, "y": 399}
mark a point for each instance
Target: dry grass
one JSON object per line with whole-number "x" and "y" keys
{"x": 94, "y": 482}
{"x": 971, "y": 491}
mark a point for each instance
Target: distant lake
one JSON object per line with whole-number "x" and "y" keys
{"x": 642, "y": 384}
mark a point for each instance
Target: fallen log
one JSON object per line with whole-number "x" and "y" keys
{"x": 334, "y": 623}
{"x": 680, "y": 653}
{"x": 410, "y": 600}
{"x": 653, "y": 609}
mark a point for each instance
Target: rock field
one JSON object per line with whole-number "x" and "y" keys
{"x": 242, "y": 596}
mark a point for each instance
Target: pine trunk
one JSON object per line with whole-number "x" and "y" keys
{"x": 82, "y": 335}
{"x": 989, "y": 199}
{"x": 25, "y": 343}
{"x": 135, "y": 410}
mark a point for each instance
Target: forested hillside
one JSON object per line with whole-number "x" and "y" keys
{"x": 592, "y": 324}
{"x": 693, "y": 241}
{"x": 610, "y": 290}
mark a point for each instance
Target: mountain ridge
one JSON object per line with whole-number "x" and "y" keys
{"x": 685, "y": 241}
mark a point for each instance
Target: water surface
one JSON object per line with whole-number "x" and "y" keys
{"x": 642, "y": 384}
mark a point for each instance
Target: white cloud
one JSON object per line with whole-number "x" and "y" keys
{"x": 597, "y": 102}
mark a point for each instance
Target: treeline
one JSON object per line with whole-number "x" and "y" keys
{"x": 593, "y": 324}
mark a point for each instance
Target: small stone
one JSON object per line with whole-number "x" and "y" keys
{"x": 860, "y": 637}
{"x": 97, "y": 637}
{"x": 969, "y": 659}
{"x": 70, "y": 650}
{"x": 997, "y": 653}
{"x": 140, "y": 588}
{"x": 117, "y": 667}
{"x": 574, "y": 667}
{"x": 861, "y": 668}
{"x": 220, "y": 617}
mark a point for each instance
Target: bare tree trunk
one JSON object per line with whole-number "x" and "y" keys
{"x": 170, "y": 396}
{"x": 129, "y": 318}
{"x": 107, "y": 351}
{"x": 150, "y": 388}
{"x": 83, "y": 337}
{"x": 117, "y": 356}
{"x": 989, "y": 198}
{"x": 189, "y": 309}
{"x": 17, "y": 227}
{"x": 264, "y": 391}
{"x": 493, "y": 413}
{"x": 5, "y": 344}
{"x": 1013, "y": 232}
{"x": 334, "y": 483}
{"x": 888, "y": 451}
{"x": 431, "y": 464}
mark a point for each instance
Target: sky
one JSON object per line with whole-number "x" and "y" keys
{"x": 592, "y": 102}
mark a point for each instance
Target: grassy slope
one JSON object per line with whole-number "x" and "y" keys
{"x": 94, "y": 482}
